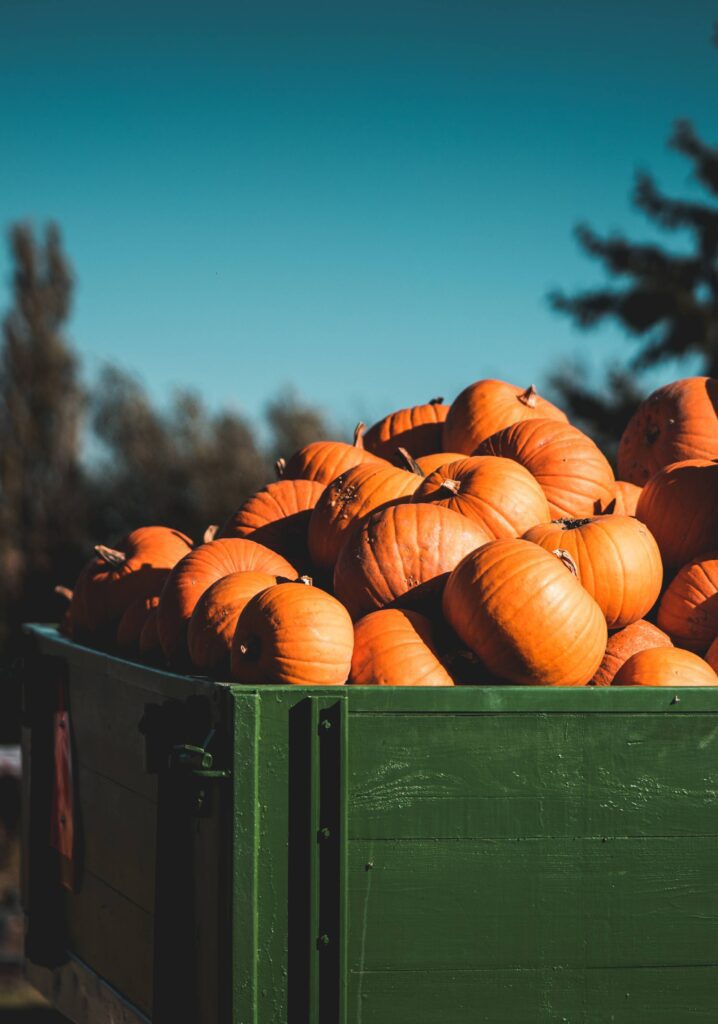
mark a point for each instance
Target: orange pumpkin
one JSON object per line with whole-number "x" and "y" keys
{"x": 488, "y": 406}
{"x": 676, "y": 423}
{"x": 497, "y": 493}
{"x": 150, "y": 647}
{"x": 573, "y": 472}
{"x": 132, "y": 623}
{"x": 688, "y": 611}
{"x": 428, "y": 463}
{"x": 618, "y": 562}
{"x": 198, "y": 571}
{"x": 418, "y": 429}
{"x": 395, "y": 647}
{"x": 639, "y": 636}
{"x": 293, "y": 634}
{"x": 678, "y": 505}
{"x": 214, "y": 619}
{"x": 624, "y": 500}
{"x": 712, "y": 655}
{"x": 525, "y": 615}
{"x": 402, "y": 555}
{"x": 348, "y": 499}
{"x": 665, "y": 666}
{"x": 325, "y": 460}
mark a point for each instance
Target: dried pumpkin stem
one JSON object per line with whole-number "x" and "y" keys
{"x": 64, "y": 592}
{"x": 306, "y": 580}
{"x": 529, "y": 396}
{"x": 110, "y": 555}
{"x": 563, "y": 556}
{"x": 210, "y": 533}
{"x": 279, "y": 467}
{"x": 359, "y": 435}
{"x": 436, "y": 401}
{"x": 454, "y": 486}
{"x": 410, "y": 462}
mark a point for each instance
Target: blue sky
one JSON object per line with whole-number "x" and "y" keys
{"x": 366, "y": 201}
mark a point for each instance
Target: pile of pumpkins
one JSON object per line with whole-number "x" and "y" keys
{"x": 483, "y": 542}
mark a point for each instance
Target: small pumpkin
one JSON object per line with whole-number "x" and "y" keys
{"x": 402, "y": 555}
{"x": 325, "y": 460}
{"x": 679, "y": 421}
{"x": 678, "y": 505}
{"x": 418, "y": 429}
{"x": 665, "y": 666}
{"x": 571, "y": 469}
{"x": 488, "y": 406}
{"x": 130, "y": 626}
{"x": 396, "y": 647}
{"x": 214, "y": 619}
{"x": 688, "y": 611}
{"x": 712, "y": 655}
{"x": 525, "y": 614}
{"x": 292, "y": 634}
{"x": 499, "y": 494}
{"x": 618, "y": 562}
{"x": 639, "y": 636}
{"x": 623, "y": 502}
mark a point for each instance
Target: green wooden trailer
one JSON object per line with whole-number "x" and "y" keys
{"x": 366, "y": 855}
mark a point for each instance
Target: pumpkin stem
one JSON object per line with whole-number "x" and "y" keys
{"x": 359, "y": 435}
{"x": 563, "y": 556}
{"x": 572, "y": 524}
{"x": 529, "y": 396}
{"x": 279, "y": 466}
{"x": 436, "y": 401}
{"x": 410, "y": 463}
{"x": 306, "y": 580}
{"x": 64, "y": 592}
{"x": 450, "y": 485}
{"x": 110, "y": 555}
{"x": 250, "y": 650}
{"x": 210, "y": 533}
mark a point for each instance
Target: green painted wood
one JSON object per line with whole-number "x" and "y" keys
{"x": 507, "y": 776}
{"x": 244, "y": 858}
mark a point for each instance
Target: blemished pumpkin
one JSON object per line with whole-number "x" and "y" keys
{"x": 573, "y": 472}
{"x": 418, "y": 429}
{"x": 325, "y": 460}
{"x": 665, "y": 666}
{"x": 678, "y": 505}
{"x": 396, "y": 647}
{"x": 678, "y": 422}
{"x": 488, "y": 406}
{"x": 618, "y": 562}
{"x": 198, "y": 571}
{"x": 523, "y": 612}
{"x": 712, "y": 655}
{"x": 278, "y": 517}
{"x": 293, "y": 634}
{"x": 623, "y": 502}
{"x": 214, "y": 619}
{"x": 348, "y": 499}
{"x": 688, "y": 611}
{"x": 499, "y": 494}
{"x": 130, "y": 626}
{"x": 402, "y": 555}
{"x": 639, "y": 636}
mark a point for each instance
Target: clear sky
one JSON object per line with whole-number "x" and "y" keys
{"x": 365, "y": 200}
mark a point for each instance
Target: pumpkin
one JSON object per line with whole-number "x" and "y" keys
{"x": 639, "y": 636}
{"x": 348, "y": 499}
{"x": 428, "y": 463}
{"x": 676, "y": 423}
{"x": 618, "y": 562}
{"x": 571, "y": 469}
{"x": 278, "y": 517}
{"x": 497, "y": 493}
{"x": 623, "y": 502}
{"x": 150, "y": 647}
{"x": 678, "y": 505}
{"x": 712, "y": 655}
{"x": 488, "y": 406}
{"x": 214, "y": 619}
{"x": 130, "y": 626}
{"x": 395, "y": 647}
{"x": 402, "y": 555}
{"x": 418, "y": 429}
{"x": 116, "y": 577}
{"x": 198, "y": 571}
{"x": 665, "y": 666}
{"x": 688, "y": 611}
{"x": 325, "y": 460}
{"x": 293, "y": 634}
{"x": 525, "y": 614}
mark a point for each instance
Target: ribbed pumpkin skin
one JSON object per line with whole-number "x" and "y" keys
{"x": 488, "y": 406}
{"x": 198, "y": 571}
{"x": 103, "y": 591}
{"x": 428, "y": 463}
{"x": 618, "y": 562}
{"x": 395, "y": 647}
{"x": 688, "y": 611}
{"x": 402, "y": 555}
{"x": 278, "y": 517}
{"x": 293, "y": 635}
{"x": 130, "y": 626}
{"x": 418, "y": 429}
{"x": 348, "y": 499}
{"x": 325, "y": 460}
{"x": 639, "y": 636}
{"x": 214, "y": 619}
{"x": 665, "y": 666}
{"x": 677, "y": 422}
{"x": 499, "y": 494}
{"x": 712, "y": 655}
{"x": 678, "y": 505}
{"x": 623, "y": 501}
{"x": 573, "y": 472}
{"x": 525, "y": 615}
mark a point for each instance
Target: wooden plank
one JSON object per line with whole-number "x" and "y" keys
{"x": 660, "y": 995}
{"x": 245, "y": 859}
{"x": 81, "y": 995}
{"x": 522, "y": 775}
{"x": 431, "y": 905}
